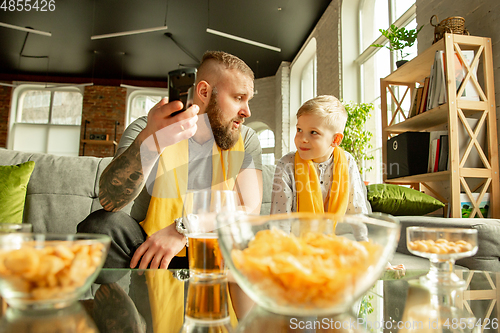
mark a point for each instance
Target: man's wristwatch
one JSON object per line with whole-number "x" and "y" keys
{"x": 179, "y": 226}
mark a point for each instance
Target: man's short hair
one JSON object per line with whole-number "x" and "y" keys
{"x": 226, "y": 60}
{"x": 327, "y": 107}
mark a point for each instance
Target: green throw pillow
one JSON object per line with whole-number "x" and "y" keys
{"x": 13, "y": 184}
{"x": 400, "y": 200}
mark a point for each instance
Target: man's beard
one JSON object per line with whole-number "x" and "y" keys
{"x": 224, "y": 136}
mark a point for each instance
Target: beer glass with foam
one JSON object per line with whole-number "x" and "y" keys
{"x": 199, "y": 218}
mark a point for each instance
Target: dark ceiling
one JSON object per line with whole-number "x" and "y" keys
{"x": 70, "y": 52}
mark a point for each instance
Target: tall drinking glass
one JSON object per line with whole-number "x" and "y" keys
{"x": 199, "y": 218}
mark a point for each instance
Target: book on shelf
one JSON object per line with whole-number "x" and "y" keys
{"x": 437, "y": 95}
{"x": 425, "y": 93}
{"x": 434, "y": 150}
{"x": 416, "y": 101}
{"x": 436, "y": 156}
{"x": 432, "y": 84}
{"x": 442, "y": 84}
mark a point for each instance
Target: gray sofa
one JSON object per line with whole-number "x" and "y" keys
{"x": 63, "y": 190}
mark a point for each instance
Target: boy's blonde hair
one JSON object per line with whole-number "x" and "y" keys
{"x": 327, "y": 107}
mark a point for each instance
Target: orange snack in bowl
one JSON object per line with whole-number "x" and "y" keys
{"x": 315, "y": 270}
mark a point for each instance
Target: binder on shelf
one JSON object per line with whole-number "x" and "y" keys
{"x": 443, "y": 153}
{"x": 432, "y": 155}
{"x": 407, "y": 154}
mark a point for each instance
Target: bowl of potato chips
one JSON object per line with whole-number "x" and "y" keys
{"x": 306, "y": 264}
{"x": 49, "y": 270}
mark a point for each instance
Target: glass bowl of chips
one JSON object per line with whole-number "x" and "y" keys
{"x": 306, "y": 264}
{"x": 40, "y": 271}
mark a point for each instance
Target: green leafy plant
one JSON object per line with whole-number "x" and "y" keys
{"x": 399, "y": 39}
{"x": 356, "y": 139}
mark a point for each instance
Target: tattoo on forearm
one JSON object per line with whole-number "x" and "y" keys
{"x": 122, "y": 181}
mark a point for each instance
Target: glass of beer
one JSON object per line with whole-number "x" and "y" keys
{"x": 199, "y": 218}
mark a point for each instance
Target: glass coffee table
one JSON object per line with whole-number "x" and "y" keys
{"x": 155, "y": 301}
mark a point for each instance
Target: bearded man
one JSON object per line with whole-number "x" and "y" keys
{"x": 184, "y": 142}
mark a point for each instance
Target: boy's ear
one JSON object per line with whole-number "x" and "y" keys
{"x": 337, "y": 139}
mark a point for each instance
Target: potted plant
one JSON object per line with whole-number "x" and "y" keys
{"x": 356, "y": 139}
{"x": 399, "y": 39}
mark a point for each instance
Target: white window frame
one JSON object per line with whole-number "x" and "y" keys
{"x": 136, "y": 92}
{"x": 297, "y": 67}
{"x": 366, "y": 54}
{"x": 15, "y": 114}
{"x": 268, "y": 150}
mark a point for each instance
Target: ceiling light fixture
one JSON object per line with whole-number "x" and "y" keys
{"x": 128, "y": 33}
{"x": 243, "y": 40}
{"x": 15, "y": 27}
{"x": 58, "y": 86}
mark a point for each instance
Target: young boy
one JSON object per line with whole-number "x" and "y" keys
{"x": 320, "y": 176}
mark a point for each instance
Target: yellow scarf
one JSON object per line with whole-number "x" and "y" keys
{"x": 166, "y": 205}
{"x": 167, "y": 199}
{"x": 309, "y": 196}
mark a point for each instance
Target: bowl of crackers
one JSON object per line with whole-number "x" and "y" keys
{"x": 49, "y": 270}
{"x": 306, "y": 264}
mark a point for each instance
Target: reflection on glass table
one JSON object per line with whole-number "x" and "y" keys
{"x": 122, "y": 304}
{"x": 71, "y": 319}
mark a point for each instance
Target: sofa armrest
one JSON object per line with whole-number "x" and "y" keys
{"x": 488, "y": 234}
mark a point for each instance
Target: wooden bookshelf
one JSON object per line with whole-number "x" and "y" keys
{"x": 95, "y": 142}
{"x": 452, "y": 115}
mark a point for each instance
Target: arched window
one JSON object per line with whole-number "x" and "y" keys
{"x": 46, "y": 120}
{"x": 266, "y": 138}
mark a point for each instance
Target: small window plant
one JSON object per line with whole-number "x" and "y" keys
{"x": 399, "y": 39}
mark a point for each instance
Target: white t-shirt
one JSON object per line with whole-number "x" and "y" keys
{"x": 200, "y": 172}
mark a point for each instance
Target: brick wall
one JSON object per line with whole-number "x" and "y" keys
{"x": 102, "y": 107}
{"x": 328, "y": 51}
{"x": 5, "y": 96}
{"x": 262, "y": 105}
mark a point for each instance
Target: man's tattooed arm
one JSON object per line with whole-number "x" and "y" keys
{"x": 123, "y": 179}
